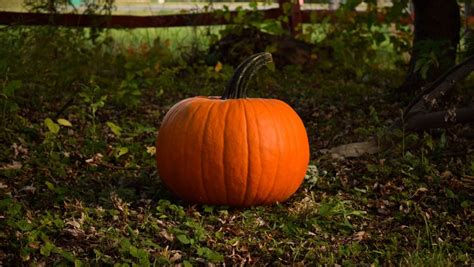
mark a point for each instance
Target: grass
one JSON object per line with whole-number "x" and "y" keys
{"x": 9, "y": 5}
{"x": 147, "y": 9}
{"x": 88, "y": 192}
{"x": 179, "y": 37}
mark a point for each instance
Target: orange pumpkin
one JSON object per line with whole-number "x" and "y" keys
{"x": 233, "y": 150}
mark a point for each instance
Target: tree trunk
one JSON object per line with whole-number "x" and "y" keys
{"x": 469, "y": 34}
{"x": 437, "y": 26}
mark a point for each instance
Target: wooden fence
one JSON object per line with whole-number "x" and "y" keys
{"x": 296, "y": 16}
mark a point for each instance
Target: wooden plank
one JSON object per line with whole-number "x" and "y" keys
{"x": 123, "y": 21}
{"x": 197, "y": 19}
{"x": 317, "y": 16}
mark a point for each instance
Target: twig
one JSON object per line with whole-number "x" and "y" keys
{"x": 440, "y": 119}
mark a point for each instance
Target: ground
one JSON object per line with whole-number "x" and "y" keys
{"x": 79, "y": 184}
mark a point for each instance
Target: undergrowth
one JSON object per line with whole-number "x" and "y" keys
{"x": 78, "y": 182}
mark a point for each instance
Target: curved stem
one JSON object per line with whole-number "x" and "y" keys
{"x": 237, "y": 86}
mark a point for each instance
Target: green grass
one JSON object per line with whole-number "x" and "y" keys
{"x": 11, "y": 5}
{"x": 144, "y": 9}
{"x": 89, "y": 193}
{"x": 179, "y": 37}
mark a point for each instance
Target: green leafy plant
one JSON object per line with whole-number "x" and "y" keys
{"x": 428, "y": 59}
{"x": 78, "y": 180}
{"x": 94, "y": 99}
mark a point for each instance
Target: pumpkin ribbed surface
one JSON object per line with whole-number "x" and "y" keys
{"x": 236, "y": 152}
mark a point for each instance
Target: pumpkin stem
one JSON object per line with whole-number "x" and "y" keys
{"x": 237, "y": 86}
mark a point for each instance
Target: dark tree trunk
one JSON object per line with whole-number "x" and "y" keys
{"x": 469, "y": 33}
{"x": 437, "y": 26}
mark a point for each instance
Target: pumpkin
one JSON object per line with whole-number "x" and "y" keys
{"x": 233, "y": 150}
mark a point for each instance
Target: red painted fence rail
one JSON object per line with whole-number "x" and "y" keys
{"x": 296, "y": 16}
{"x": 130, "y": 21}
{"x": 121, "y": 21}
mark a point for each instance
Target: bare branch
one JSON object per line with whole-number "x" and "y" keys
{"x": 439, "y": 88}
{"x": 440, "y": 119}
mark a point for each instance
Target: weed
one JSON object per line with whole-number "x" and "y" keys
{"x": 78, "y": 181}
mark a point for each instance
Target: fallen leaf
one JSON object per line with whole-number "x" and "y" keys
{"x": 52, "y": 126}
{"x": 75, "y": 232}
{"x": 18, "y": 150}
{"x": 151, "y": 150}
{"x": 167, "y": 235}
{"x": 446, "y": 174}
{"x": 420, "y": 190}
{"x": 218, "y": 67}
{"x": 97, "y": 158}
{"x": 176, "y": 257}
{"x": 64, "y": 122}
{"x": 74, "y": 224}
{"x": 34, "y": 245}
{"x": 354, "y": 150}
{"x": 361, "y": 236}
{"x": 15, "y": 165}
{"x": 28, "y": 188}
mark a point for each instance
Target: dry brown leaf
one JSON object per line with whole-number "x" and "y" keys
{"x": 361, "y": 236}
{"x": 167, "y": 235}
{"x": 15, "y": 165}
{"x": 176, "y": 257}
{"x": 354, "y": 150}
{"x": 3, "y": 186}
{"x": 19, "y": 150}
{"x": 75, "y": 224}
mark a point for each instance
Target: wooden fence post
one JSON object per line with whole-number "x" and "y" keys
{"x": 294, "y": 15}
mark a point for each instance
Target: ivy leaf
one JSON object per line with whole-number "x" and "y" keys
{"x": 183, "y": 239}
{"x": 51, "y": 125}
{"x": 46, "y": 249}
{"x": 50, "y": 186}
{"x": 133, "y": 251}
{"x": 122, "y": 151}
{"x": 210, "y": 254}
{"x": 143, "y": 256}
{"x": 64, "y": 122}
{"x": 114, "y": 128}
{"x": 125, "y": 244}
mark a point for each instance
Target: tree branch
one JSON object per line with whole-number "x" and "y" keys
{"x": 416, "y": 116}
{"x": 440, "y": 119}
{"x": 439, "y": 88}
